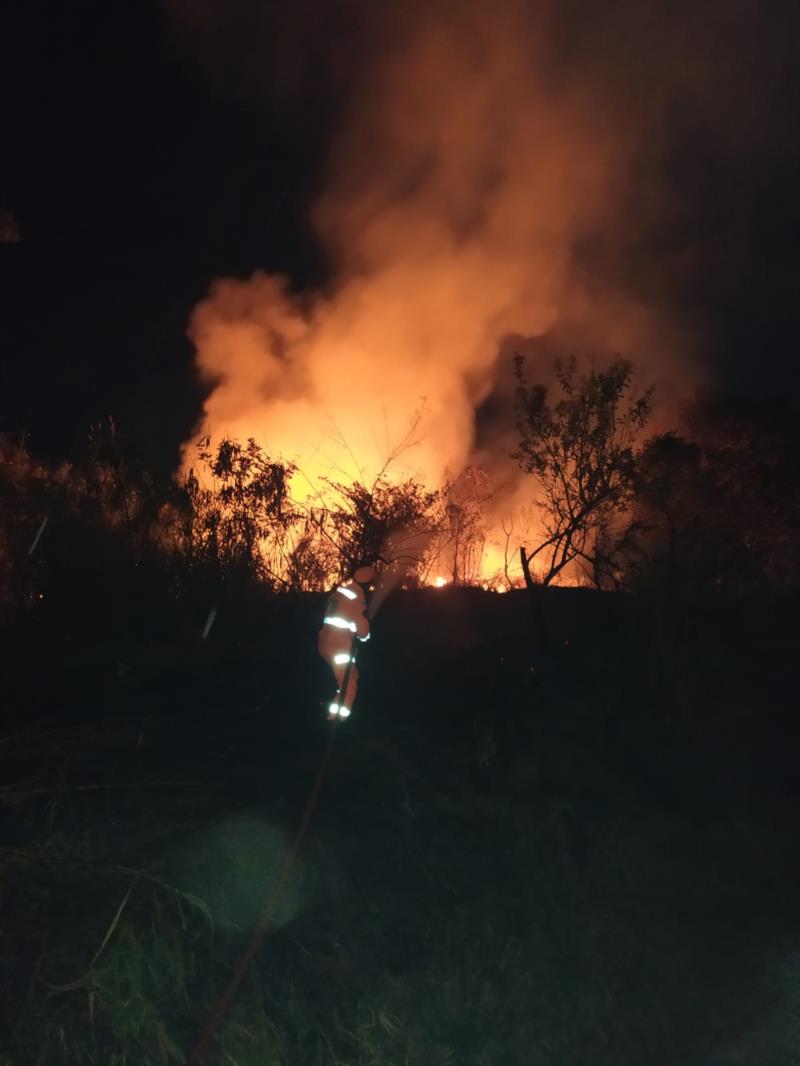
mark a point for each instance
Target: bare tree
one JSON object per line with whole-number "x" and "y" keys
{"x": 508, "y": 528}
{"x": 463, "y": 522}
{"x": 350, "y": 522}
{"x": 580, "y": 450}
{"x": 367, "y": 515}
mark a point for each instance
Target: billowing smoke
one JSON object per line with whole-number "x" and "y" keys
{"x": 494, "y": 173}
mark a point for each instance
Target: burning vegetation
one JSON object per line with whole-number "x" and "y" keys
{"x": 607, "y": 507}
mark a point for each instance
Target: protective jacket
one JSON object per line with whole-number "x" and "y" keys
{"x": 345, "y": 621}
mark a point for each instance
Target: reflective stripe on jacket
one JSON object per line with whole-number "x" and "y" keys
{"x": 346, "y": 609}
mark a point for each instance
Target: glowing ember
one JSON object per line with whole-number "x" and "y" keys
{"x": 440, "y": 582}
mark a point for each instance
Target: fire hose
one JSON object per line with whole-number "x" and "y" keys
{"x": 196, "y": 1054}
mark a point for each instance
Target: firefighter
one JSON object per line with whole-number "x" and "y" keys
{"x": 345, "y": 622}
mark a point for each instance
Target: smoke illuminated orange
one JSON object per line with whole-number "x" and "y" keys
{"x": 456, "y": 194}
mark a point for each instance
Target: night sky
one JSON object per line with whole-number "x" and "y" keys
{"x": 138, "y": 172}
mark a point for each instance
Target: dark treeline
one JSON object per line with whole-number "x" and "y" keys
{"x": 103, "y": 565}
{"x": 720, "y": 512}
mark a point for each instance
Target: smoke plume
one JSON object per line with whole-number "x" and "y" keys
{"x": 495, "y": 175}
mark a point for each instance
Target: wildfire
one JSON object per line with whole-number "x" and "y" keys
{"x": 458, "y": 189}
